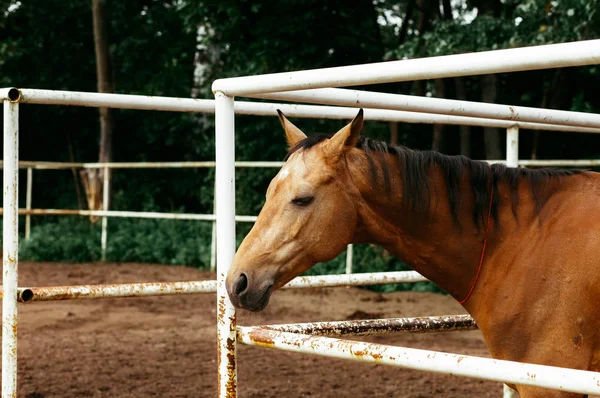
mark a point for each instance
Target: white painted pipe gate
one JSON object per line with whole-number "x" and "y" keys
{"x": 281, "y": 86}
{"x": 318, "y": 87}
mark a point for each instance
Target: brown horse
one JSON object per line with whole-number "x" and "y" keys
{"x": 516, "y": 247}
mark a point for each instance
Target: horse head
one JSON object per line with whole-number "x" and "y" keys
{"x": 309, "y": 216}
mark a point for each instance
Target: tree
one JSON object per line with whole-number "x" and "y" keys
{"x": 489, "y": 83}
{"x": 93, "y": 178}
{"x": 161, "y": 44}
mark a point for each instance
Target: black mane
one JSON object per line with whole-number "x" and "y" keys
{"x": 415, "y": 166}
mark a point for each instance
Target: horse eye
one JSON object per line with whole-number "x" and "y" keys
{"x": 303, "y": 201}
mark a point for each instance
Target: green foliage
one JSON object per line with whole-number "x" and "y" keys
{"x": 265, "y": 36}
{"x": 148, "y": 241}
{"x": 516, "y": 24}
{"x": 532, "y": 22}
{"x": 65, "y": 239}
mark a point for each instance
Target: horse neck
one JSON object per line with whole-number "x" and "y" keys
{"x": 430, "y": 242}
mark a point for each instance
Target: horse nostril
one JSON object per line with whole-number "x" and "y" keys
{"x": 241, "y": 284}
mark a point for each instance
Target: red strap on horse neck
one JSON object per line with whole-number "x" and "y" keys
{"x": 485, "y": 238}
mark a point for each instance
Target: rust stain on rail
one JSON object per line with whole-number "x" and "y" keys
{"x": 229, "y": 377}
{"x": 359, "y": 350}
{"x": 226, "y": 345}
{"x": 14, "y": 326}
{"x": 231, "y": 386}
{"x": 381, "y": 326}
{"x": 222, "y": 309}
{"x": 365, "y": 352}
{"x": 262, "y": 337}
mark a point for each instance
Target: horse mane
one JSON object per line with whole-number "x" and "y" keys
{"x": 415, "y": 166}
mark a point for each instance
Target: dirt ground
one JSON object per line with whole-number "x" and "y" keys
{"x": 165, "y": 346}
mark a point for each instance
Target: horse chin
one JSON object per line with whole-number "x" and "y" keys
{"x": 260, "y": 304}
{"x": 247, "y": 303}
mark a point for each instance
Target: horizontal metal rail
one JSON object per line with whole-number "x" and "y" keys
{"x": 56, "y": 293}
{"x": 518, "y": 115}
{"x": 126, "y": 214}
{"x": 250, "y": 164}
{"x": 566, "y": 162}
{"x": 125, "y": 101}
{"x": 372, "y": 327}
{"x": 364, "y": 279}
{"x": 485, "y": 62}
{"x": 139, "y": 165}
{"x": 80, "y": 292}
{"x": 579, "y": 381}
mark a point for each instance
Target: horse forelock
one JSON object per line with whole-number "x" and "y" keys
{"x": 415, "y": 167}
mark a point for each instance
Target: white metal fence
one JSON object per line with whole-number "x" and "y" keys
{"x": 461, "y": 112}
{"x": 106, "y": 213}
{"x": 319, "y": 86}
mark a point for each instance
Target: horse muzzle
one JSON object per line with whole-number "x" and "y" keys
{"x": 249, "y": 293}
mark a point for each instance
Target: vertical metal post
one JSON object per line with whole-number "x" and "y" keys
{"x": 105, "y": 197}
{"x": 213, "y": 240}
{"x": 512, "y": 160}
{"x": 28, "y": 202}
{"x": 225, "y": 183}
{"x": 349, "y": 255}
{"x": 10, "y": 241}
{"x": 512, "y": 146}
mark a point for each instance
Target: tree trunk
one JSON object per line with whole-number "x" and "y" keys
{"x": 447, "y": 7}
{"x": 491, "y": 136}
{"x": 206, "y": 67}
{"x": 394, "y": 133}
{"x": 438, "y": 129}
{"x": 104, "y": 77}
{"x": 92, "y": 178}
{"x": 552, "y": 99}
{"x": 407, "y": 17}
{"x": 465, "y": 131}
{"x": 490, "y": 7}
{"x": 206, "y": 59}
{"x": 489, "y": 85}
{"x": 440, "y": 89}
{"x": 427, "y": 9}
{"x": 72, "y": 159}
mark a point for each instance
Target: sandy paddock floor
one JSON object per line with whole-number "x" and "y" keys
{"x": 166, "y": 346}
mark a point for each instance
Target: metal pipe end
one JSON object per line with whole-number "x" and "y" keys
{"x": 26, "y": 295}
{"x": 14, "y": 95}
{"x": 214, "y": 87}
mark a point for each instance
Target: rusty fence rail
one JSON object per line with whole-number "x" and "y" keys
{"x": 122, "y": 290}
{"x": 376, "y": 327}
{"x": 579, "y": 381}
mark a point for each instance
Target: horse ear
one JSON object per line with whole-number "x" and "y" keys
{"x": 293, "y": 134}
{"x": 347, "y": 137}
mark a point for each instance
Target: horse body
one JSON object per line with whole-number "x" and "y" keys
{"x": 536, "y": 298}
{"x": 517, "y": 248}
